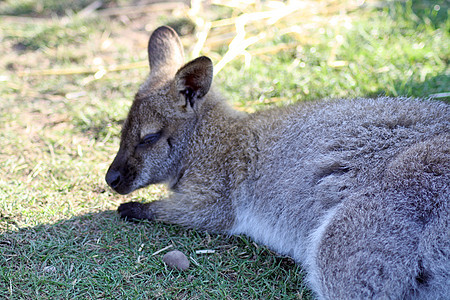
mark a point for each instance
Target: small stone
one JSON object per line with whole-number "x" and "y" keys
{"x": 177, "y": 260}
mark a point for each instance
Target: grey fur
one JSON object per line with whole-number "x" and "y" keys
{"x": 357, "y": 191}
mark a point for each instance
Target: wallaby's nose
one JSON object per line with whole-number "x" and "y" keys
{"x": 113, "y": 178}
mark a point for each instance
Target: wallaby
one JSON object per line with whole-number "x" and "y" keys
{"x": 357, "y": 191}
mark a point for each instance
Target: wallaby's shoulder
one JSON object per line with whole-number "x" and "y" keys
{"x": 396, "y": 110}
{"x": 353, "y": 117}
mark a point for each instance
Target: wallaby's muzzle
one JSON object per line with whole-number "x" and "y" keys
{"x": 117, "y": 176}
{"x": 113, "y": 178}
{"x": 117, "y": 181}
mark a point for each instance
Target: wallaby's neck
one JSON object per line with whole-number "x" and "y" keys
{"x": 218, "y": 138}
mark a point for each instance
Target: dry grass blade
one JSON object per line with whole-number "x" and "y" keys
{"x": 88, "y": 10}
{"x": 139, "y": 9}
{"x": 240, "y": 43}
{"x": 203, "y": 26}
{"x": 100, "y": 71}
{"x": 276, "y": 17}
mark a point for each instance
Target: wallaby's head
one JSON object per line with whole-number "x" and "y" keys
{"x": 162, "y": 116}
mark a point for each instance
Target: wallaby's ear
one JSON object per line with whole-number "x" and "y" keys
{"x": 165, "y": 51}
{"x": 194, "y": 80}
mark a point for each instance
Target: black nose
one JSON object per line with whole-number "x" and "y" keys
{"x": 113, "y": 178}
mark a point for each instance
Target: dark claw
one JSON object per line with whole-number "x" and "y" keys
{"x": 133, "y": 211}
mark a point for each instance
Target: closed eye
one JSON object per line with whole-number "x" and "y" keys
{"x": 150, "y": 139}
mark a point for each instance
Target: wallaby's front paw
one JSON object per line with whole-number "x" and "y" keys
{"x": 132, "y": 211}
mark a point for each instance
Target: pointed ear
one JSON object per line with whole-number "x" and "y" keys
{"x": 165, "y": 51}
{"x": 194, "y": 80}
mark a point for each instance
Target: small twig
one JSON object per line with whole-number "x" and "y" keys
{"x": 206, "y": 251}
{"x": 161, "y": 250}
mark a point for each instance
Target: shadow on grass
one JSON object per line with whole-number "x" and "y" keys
{"x": 99, "y": 255}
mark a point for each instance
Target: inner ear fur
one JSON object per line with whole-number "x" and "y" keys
{"x": 194, "y": 79}
{"x": 165, "y": 51}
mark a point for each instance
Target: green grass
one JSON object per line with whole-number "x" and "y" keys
{"x": 95, "y": 255}
{"x": 59, "y": 235}
{"x": 396, "y": 50}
